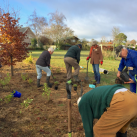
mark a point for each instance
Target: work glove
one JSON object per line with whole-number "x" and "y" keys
{"x": 87, "y": 58}
{"x": 101, "y": 62}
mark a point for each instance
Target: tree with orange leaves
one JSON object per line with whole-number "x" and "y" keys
{"x": 13, "y": 49}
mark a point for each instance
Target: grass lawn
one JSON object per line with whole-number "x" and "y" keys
{"x": 57, "y": 60}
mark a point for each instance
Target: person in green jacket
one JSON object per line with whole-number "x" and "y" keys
{"x": 72, "y": 59}
{"x": 114, "y": 106}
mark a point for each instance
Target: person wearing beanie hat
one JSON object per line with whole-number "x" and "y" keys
{"x": 96, "y": 58}
{"x": 80, "y": 46}
{"x": 128, "y": 59}
{"x": 72, "y": 59}
{"x": 113, "y": 105}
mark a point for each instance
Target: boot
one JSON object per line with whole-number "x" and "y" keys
{"x": 95, "y": 77}
{"x": 47, "y": 81}
{"x": 76, "y": 79}
{"x": 38, "y": 83}
{"x": 119, "y": 134}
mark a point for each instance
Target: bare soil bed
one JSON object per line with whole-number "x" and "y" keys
{"x": 43, "y": 117}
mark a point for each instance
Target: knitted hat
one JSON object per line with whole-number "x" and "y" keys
{"x": 78, "y": 100}
{"x": 80, "y": 46}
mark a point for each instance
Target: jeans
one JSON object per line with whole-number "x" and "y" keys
{"x": 39, "y": 71}
{"x": 96, "y": 72}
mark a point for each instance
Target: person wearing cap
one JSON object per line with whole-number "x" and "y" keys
{"x": 43, "y": 63}
{"x": 96, "y": 58}
{"x": 129, "y": 59}
{"x": 72, "y": 59}
{"x": 114, "y": 106}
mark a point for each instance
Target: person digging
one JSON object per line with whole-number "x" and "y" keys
{"x": 114, "y": 106}
{"x": 43, "y": 63}
{"x": 72, "y": 59}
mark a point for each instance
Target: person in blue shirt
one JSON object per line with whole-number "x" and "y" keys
{"x": 129, "y": 59}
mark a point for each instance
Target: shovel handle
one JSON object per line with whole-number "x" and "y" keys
{"x": 81, "y": 92}
{"x": 52, "y": 77}
{"x": 69, "y": 117}
{"x": 87, "y": 67}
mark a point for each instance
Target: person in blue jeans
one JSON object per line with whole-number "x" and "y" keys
{"x": 96, "y": 58}
{"x": 43, "y": 63}
{"x": 129, "y": 59}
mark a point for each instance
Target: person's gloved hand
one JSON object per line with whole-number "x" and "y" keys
{"x": 87, "y": 58}
{"x": 101, "y": 62}
{"x": 130, "y": 81}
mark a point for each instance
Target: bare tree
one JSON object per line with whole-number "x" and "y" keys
{"x": 103, "y": 39}
{"x": 115, "y": 32}
{"x": 37, "y": 24}
{"x": 68, "y": 32}
{"x": 8, "y": 9}
{"x": 57, "y": 26}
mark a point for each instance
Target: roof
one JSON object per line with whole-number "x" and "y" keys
{"x": 23, "y": 29}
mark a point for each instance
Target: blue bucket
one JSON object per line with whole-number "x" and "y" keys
{"x": 17, "y": 94}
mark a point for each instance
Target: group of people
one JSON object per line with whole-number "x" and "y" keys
{"x": 71, "y": 59}
{"x": 114, "y": 105}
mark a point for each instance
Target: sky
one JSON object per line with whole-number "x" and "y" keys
{"x": 90, "y": 19}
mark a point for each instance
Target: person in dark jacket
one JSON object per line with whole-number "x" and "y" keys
{"x": 43, "y": 63}
{"x": 114, "y": 106}
{"x": 72, "y": 59}
{"x": 129, "y": 59}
